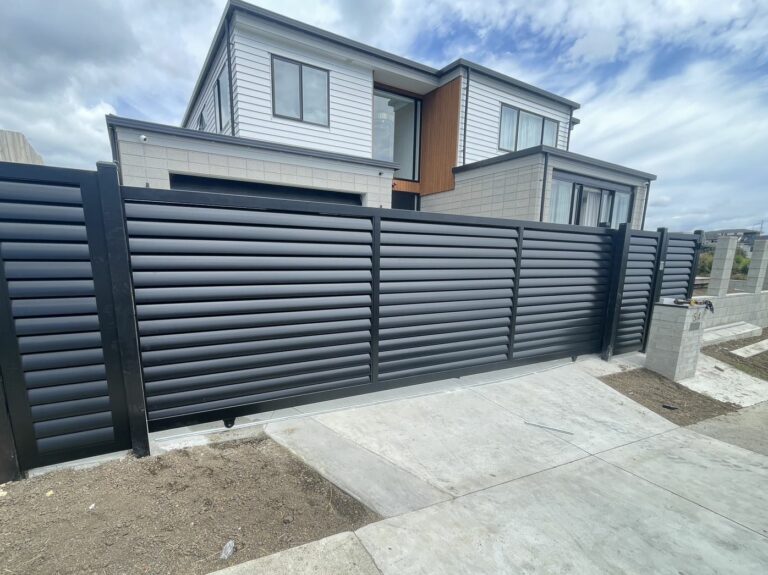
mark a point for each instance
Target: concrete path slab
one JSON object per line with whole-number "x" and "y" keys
{"x": 382, "y": 396}
{"x": 729, "y": 332}
{"x": 457, "y": 441}
{"x": 584, "y": 517}
{"x": 723, "y": 382}
{"x": 747, "y": 428}
{"x": 341, "y": 554}
{"x": 373, "y": 480}
{"x": 598, "y": 368}
{"x": 727, "y": 479}
{"x": 752, "y": 350}
{"x": 587, "y": 412}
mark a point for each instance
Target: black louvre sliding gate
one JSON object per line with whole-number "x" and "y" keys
{"x": 123, "y": 309}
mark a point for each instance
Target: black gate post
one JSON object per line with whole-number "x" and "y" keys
{"x": 9, "y": 461}
{"x": 695, "y": 264}
{"x": 516, "y": 291}
{"x": 621, "y": 241}
{"x": 658, "y": 279}
{"x": 375, "y": 298}
{"x": 125, "y": 310}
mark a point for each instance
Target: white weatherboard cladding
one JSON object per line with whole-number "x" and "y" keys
{"x": 206, "y": 100}
{"x": 351, "y": 89}
{"x": 484, "y": 111}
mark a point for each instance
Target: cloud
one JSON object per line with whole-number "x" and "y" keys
{"x": 677, "y": 88}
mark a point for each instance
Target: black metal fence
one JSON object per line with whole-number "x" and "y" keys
{"x": 128, "y": 309}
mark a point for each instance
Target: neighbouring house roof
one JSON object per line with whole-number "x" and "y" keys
{"x": 731, "y": 232}
{"x": 14, "y": 147}
{"x": 233, "y": 5}
{"x": 117, "y": 121}
{"x": 556, "y": 152}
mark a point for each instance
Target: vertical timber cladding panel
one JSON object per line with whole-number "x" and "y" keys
{"x": 563, "y": 292}
{"x": 238, "y": 306}
{"x": 678, "y": 266}
{"x": 46, "y": 261}
{"x": 636, "y": 292}
{"x": 446, "y": 296}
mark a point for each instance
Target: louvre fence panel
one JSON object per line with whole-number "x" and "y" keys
{"x": 637, "y": 292}
{"x": 53, "y": 359}
{"x": 679, "y": 265}
{"x": 445, "y": 296}
{"x": 125, "y": 310}
{"x": 563, "y": 290}
{"x": 238, "y": 306}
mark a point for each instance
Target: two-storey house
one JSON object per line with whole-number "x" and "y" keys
{"x": 283, "y": 109}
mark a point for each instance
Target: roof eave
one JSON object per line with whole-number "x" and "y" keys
{"x": 557, "y": 152}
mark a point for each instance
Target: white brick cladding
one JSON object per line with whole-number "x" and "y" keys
{"x": 506, "y": 190}
{"x": 151, "y": 163}
{"x": 675, "y": 340}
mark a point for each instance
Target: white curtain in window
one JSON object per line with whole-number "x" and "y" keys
{"x": 620, "y": 209}
{"x": 550, "y": 133}
{"x": 508, "y": 128}
{"x": 590, "y": 207}
{"x": 529, "y": 132}
{"x": 560, "y": 203}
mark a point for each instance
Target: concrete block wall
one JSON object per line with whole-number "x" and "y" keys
{"x": 675, "y": 340}
{"x": 150, "y": 163}
{"x": 750, "y": 306}
{"x": 506, "y": 190}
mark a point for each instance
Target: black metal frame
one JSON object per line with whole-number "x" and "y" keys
{"x": 418, "y": 103}
{"x": 658, "y": 278}
{"x": 13, "y": 378}
{"x": 695, "y": 263}
{"x": 301, "y": 65}
{"x": 613, "y": 308}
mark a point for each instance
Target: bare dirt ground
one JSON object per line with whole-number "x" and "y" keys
{"x": 654, "y": 391}
{"x": 757, "y": 365}
{"x": 170, "y": 514}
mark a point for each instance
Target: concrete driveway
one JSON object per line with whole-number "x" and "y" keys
{"x": 550, "y": 472}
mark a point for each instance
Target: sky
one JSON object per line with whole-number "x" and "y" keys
{"x": 678, "y": 88}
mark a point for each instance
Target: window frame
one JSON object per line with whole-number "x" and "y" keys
{"x": 301, "y": 65}
{"x": 418, "y": 104}
{"x": 201, "y": 122}
{"x": 218, "y": 112}
{"x": 517, "y": 110}
{"x": 578, "y": 183}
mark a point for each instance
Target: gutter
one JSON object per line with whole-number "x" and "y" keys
{"x": 151, "y": 127}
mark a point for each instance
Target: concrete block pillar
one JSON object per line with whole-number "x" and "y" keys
{"x": 757, "y": 267}
{"x": 674, "y": 340}
{"x": 722, "y": 264}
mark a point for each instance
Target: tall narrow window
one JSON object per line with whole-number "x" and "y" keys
{"x": 529, "y": 131}
{"x": 508, "y": 131}
{"x": 396, "y": 132}
{"x": 201, "y": 122}
{"x": 549, "y": 138}
{"x": 299, "y": 91}
{"x": 224, "y": 111}
{"x": 621, "y": 205}
{"x": 560, "y": 204}
{"x": 589, "y": 215}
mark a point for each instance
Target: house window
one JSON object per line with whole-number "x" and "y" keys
{"x": 299, "y": 91}
{"x": 223, "y": 109}
{"x": 201, "y": 122}
{"x": 396, "y": 132}
{"x": 591, "y": 203}
{"x": 519, "y": 129}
